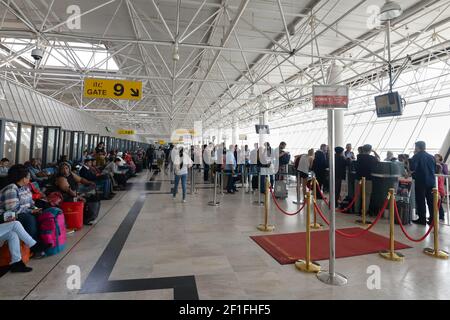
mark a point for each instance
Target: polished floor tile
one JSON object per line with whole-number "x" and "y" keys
{"x": 173, "y": 239}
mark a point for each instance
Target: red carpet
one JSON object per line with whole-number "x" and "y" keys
{"x": 289, "y": 247}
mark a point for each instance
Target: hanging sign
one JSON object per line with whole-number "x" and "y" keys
{"x": 127, "y": 132}
{"x": 242, "y": 137}
{"x": 162, "y": 142}
{"x": 112, "y": 89}
{"x": 330, "y": 97}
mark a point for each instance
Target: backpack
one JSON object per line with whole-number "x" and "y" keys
{"x": 52, "y": 230}
{"x": 284, "y": 160}
{"x": 35, "y": 191}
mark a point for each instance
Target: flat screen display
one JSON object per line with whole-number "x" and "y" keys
{"x": 388, "y": 105}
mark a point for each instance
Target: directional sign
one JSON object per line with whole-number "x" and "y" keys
{"x": 330, "y": 97}
{"x": 162, "y": 142}
{"x": 124, "y": 131}
{"x": 112, "y": 89}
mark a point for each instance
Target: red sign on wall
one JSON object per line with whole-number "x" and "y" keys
{"x": 330, "y": 97}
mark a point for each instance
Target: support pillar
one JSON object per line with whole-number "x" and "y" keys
{"x": 234, "y": 132}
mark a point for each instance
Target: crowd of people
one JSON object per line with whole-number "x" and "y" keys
{"x": 28, "y": 189}
{"x": 245, "y": 165}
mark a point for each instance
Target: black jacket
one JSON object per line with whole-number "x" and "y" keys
{"x": 87, "y": 174}
{"x": 340, "y": 164}
{"x": 320, "y": 163}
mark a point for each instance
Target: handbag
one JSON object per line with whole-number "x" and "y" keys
{"x": 55, "y": 199}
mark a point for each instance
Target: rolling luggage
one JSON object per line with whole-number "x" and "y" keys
{"x": 404, "y": 202}
{"x": 5, "y": 256}
{"x": 281, "y": 191}
{"x": 404, "y": 210}
{"x": 52, "y": 230}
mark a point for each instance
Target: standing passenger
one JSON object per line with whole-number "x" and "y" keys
{"x": 423, "y": 167}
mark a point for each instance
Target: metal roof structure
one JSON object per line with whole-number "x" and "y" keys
{"x": 218, "y": 60}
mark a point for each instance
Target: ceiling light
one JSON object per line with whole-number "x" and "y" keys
{"x": 176, "y": 54}
{"x": 390, "y": 10}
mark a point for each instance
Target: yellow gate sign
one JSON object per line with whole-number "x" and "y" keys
{"x": 112, "y": 89}
{"x": 128, "y": 132}
{"x": 162, "y": 142}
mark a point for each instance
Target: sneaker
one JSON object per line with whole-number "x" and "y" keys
{"x": 184, "y": 200}
{"x": 40, "y": 247}
{"x": 19, "y": 267}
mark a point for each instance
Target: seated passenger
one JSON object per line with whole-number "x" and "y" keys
{"x": 17, "y": 197}
{"x": 64, "y": 158}
{"x": 100, "y": 154}
{"x": 13, "y": 232}
{"x": 89, "y": 172}
{"x": 36, "y": 172}
{"x": 113, "y": 170}
{"x": 67, "y": 183}
{"x": 4, "y": 167}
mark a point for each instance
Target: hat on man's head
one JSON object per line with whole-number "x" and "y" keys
{"x": 89, "y": 159}
{"x": 120, "y": 154}
{"x": 339, "y": 149}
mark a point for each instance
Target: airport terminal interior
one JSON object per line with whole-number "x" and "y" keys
{"x": 224, "y": 149}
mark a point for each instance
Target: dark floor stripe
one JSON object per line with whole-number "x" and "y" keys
{"x": 184, "y": 287}
{"x": 97, "y": 281}
{"x": 105, "y": 265}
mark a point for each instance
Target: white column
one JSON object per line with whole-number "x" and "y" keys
{"x": 234, "y": 132}
{"x": 334, "y": 76}
{"x": 445, "y": 145}
{"x": 263, "y": 120}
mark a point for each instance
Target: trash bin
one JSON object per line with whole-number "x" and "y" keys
{"x": 385, "y": 175}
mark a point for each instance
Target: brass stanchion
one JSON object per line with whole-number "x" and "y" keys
{"x": 363, "y": 221}
{"x": 315, "y": 224}
{"x": 298, "y": 190}
{"x": 435, "y": 252}
{"x": 307, "y": 265}
{"x": 391, "y": 254}
{"x": 266, "y": 227}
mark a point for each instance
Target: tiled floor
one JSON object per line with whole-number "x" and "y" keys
{"x": 171, "y": 239}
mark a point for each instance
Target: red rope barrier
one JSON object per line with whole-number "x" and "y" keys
{"x": 355, "y": 235}
{"x": 358, "y": 190}
{"x": 355, "y": 197}
{"x": 281, "y": 209}
{"x": 403, "y": 228}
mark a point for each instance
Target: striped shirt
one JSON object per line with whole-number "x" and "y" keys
{"x": 17, "y": 199}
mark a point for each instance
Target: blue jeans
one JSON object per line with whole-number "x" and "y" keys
{"x": 105, "y": 186}
{"x": 183, "y": 178}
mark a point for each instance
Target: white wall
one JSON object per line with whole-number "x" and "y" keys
{"x": 22, "y": 104}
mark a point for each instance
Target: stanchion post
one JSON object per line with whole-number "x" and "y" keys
{"x": 259, "y": 202}
{"x": 391, "y": 254}
{"x": 266, "y": 227}
{"x": 307, "y": 265}
{"x": 364, "y": 222}
{"x": 298, "y": 190}
{"x": 435, "y": 252}
{"x": 315, "y": 224}
{"x": 214, "y": 202}
{"x": 221, "y": 182}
